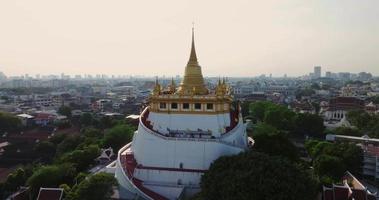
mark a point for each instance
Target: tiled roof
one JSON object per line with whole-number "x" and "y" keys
{"x": 50, "y": 194}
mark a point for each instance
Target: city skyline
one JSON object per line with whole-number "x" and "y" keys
{"x": 151, "y": 38}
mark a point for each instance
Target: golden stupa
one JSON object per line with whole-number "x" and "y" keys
{"x": 193, "y": 81}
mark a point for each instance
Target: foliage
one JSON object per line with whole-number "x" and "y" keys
{"x": 69, "y": 144}
{"x": 92, "y": 133}
{"x": 366, "y": 123}
{"x": 375, "y": 99}
{"x": 358, "y": 118}
{"x": 348, "y": 131}
{"x": 86, "y": 119}
{"x": 349, "y": 155}
{"x": 95, "y": 187}
{"x": 280, "y": 117}
{"x": 8, "y": 122}
{"x": 46, "y": 150}
{"x": 275, "y": 115}
{"x": 257, "y": 176}
{"x": 263, "y": 128}
{"x": 81, "y": 159}
{"x": 245, "y": 108}
{"x": 272, "y": 142}
{"x": 258, "y": 109}
{"x": 65, "y": 110}
{"x": 309, "y": 124}
{"x": 50, "y": 176}
{"x": 118, "y": 136}
{"x": 329, "y": 166}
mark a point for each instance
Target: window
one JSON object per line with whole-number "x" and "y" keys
{"x": 186, "y": 106}
{"x": 181, "y": 165}
{"x": 174, "y": 105}
{"x": 198, "y": 106}
{"x": 162, "y": 105}
{"x": 209, "y": 106}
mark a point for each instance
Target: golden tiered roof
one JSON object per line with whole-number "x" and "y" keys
{"x": 193, "y": 81}
{"x": 191, "y": 96}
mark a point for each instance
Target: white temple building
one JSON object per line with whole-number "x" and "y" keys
{"x": 182, "y": 131}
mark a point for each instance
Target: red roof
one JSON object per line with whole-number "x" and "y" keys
{"x": 50, "y": 194}
{"x": 44, "y": 116}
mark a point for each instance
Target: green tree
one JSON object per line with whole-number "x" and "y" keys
{"x": 359, "y": 118}
{"x": 51, "y": 176}
{"x": 316, "y": 148}
{"x": 15, "y": 180}
{"x": 69, "y": 144}
{"x": 274, "y": 143}
{"x": 348, "y": 131}
{"x": 263, "y": 128}
{"x": 309, "y": 124}
{"x": 329, "y": 166}
{"x": 258, "y": 109}
{"x": 86, "y": 119}
{"x": 253, "y": 175}
{"x": 245, "y": 108}
{"x": 95, "y": 187}
{"x": 93, "y": 133}
{"x": 118, "y": 136}
{"x": 8, "y": 122}
{"x": 46, "y": 150}
{"x": 81, "y": 159}
{"x": 349, "y": 154}
{"x": 280, "y": 117}
{"x": 375, "y": 99}
{"x": 65, "y": 110}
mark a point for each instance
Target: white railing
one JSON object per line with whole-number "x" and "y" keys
{"x": 189, "y": 139}
{"x": 218, "y": 140}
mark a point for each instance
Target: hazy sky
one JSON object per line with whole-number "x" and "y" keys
{"x": 233, "y": 38}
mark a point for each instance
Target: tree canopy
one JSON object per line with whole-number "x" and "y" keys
{"x": 273, "y": 142}
{"x": 275, "y": 115}
{"x": 95, "y": 187}
{"x": 345, "y": 156}
{"x": 65, "y": 110}
{"x": 50, "y": 176}
{"x": 8, "y": 122}
{"x": 253, "y": 175}
{"x": 118, "y": 136}
{"x": 309, "y": 124}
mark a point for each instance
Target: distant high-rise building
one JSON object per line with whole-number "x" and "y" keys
{"x": 328, "y": 74}
{"x": 344, "y": 75}
{"x": 317, "y": 71}
{"x": 364, "y": 76}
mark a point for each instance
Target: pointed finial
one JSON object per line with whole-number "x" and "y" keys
{"x": 156, "y": 80}
{"x": 193, "y": 57}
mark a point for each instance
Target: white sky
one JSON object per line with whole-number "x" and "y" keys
{"x": 233, "y": 38}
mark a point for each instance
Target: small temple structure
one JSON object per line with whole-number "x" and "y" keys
{"x": 180, "y": 133}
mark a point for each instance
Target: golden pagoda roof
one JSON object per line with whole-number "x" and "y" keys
{"x": 193, "y": 81}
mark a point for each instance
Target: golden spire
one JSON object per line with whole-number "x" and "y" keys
{"x": 193, "y": 57}
{"x": 193, "y": 77}
{"x": 157, "y": 87}
{"x": 172, "y": 86}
